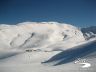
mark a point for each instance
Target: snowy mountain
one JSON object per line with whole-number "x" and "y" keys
{"x": 39, "y": 35}
{"x": 47, "y": 47}
{"x": 89, "y": 32}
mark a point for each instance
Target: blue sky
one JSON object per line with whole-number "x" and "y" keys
{"x": 77, "y": 12}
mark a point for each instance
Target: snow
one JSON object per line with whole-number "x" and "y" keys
{"x": 33, "y": 34}
{"x": 39, "y": 46}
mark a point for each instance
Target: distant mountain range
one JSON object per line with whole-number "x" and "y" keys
{"x": 89, "y": 32}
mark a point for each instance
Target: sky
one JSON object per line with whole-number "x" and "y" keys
{"x": 76, "y": 12}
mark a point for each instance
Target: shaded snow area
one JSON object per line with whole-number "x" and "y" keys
{"x": 46, "y": 47}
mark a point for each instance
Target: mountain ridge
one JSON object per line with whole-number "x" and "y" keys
{"x": 41, "y": 35}
{"x": 89, "y": 32}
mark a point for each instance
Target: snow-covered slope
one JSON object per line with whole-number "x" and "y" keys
{"x": 38, "y": 46}
{"x": 39, "y": 35}
{"x": 70, "y": 60}
{"x": 89, "y": 32}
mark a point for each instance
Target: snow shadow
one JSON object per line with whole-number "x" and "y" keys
{"x": 4, "y": 55}
{"x": 73, "y": 54}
